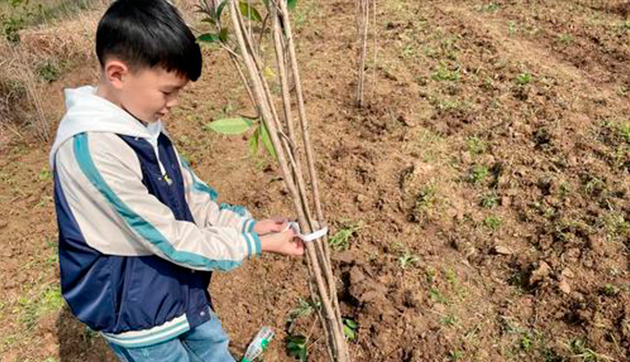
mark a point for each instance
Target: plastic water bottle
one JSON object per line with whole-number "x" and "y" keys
{"x": 258, "y": 345}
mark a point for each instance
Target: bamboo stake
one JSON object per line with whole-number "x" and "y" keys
{"x": 313, "y": 174}
{"x": 270, "y": 119}
{"x": 362, "y": 34}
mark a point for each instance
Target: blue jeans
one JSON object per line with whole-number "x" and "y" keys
{"x": 205, "y": 343}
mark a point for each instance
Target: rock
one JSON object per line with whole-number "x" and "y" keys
{"x": 502, "y": 250}
{"x": 567, "y": 273}
{"x": 540, "y": 273}
{"x": 564, "y": 286}
{"x": 3, "y": 224}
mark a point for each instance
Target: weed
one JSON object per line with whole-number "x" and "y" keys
{"x": 49, "y": 71}
{"x": 493, "y": 222}
{"x": 450, "y": 320}
{"x": 512, "y": 28}
{"x": 407, "y": 259}
{"x": 490, "y": 200}
{"x": 478, "y": 174}
{"x": 565, "y": 38}
{"x": 50, "y": 300}
{"x": 451, "y": 276}
{"x": 526, "y": 342}
{"x": 611, "y": 290}
{"x": 341, "y": 239}
{"x": 488, "y": 8}
{"x": 445, "y": 74}
{"x": 476, "y": 146}
{"x": 350, "y": 328}
{"x": 426, "y": 201}
{"x": 523, "y": 79}
{"x": 438, "y": 297}
{"x": 297, "y": 346}
{"x": 455, "y": 355}
{"x": 45, "y": 174}
{"x": 303, "y": 309}
{"x": 584, "y": 354}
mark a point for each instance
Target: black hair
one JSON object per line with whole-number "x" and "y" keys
{"x": 148, "y": 34}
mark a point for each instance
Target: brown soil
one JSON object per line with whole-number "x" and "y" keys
{"x": 489, "y": 173}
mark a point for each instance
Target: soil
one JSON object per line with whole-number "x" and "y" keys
{"x": 488, "y": 174}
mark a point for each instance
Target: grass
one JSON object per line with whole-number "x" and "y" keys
{"x": 438, "y": 297}
{"x": 489, "y": 200}
{"x": 341, "y": 239}
{"x": 493, "y": 222}
{"x": 407, "y": 259}
{"x": 478, "y": 174}
{"x": 476, "y": 146}
{"x": 584, "y": 354}
{"x": 48, "y": 301}
{"x": 426, "y": 202}
{"x": 443, "y": 73}
{"x": 523, "y": 79}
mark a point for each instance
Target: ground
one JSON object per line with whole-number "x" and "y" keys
{"x": 483, "y": 189}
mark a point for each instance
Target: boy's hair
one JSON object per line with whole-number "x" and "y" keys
{"x": 148, "y": 34}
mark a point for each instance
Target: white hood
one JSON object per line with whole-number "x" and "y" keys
{"x": 87, "y": 112}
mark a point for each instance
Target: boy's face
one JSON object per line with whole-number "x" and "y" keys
{"x": 149, "y": 94}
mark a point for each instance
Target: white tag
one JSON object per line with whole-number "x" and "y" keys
{"x": 306, "y": 238}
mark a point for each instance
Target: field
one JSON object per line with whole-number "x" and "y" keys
{"x": 479, "y": 202}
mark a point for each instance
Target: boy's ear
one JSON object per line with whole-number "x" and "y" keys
{"x": 115, "y": 72}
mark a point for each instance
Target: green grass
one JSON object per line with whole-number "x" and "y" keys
{"x": 476, "y": 146}
{"x": 523, "y": 79}
{"x": 493, "y": 222}
{"x": 341, "y": 239}
{"x": 407, "y": 259}
{"x": 489, "y": 200}
{"x": 50, "y": 300}
{"x": 478, "y": 174}
{"x": 443, "y": 73}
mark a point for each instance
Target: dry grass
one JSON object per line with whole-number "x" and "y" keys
{"x": 43, "y": 54}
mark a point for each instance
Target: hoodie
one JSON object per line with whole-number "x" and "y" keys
{"x": 139, "y": 232}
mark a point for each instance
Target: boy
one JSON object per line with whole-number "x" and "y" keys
{"x": 139, "y": 233}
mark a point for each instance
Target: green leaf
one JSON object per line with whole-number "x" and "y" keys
{"x": 229, "y": 126}
{"x": 250, "y": 11}
{"x": 296, "y": 347}
{"x": 253, "y": 142}
{"x": 220, "y": 8}
{"x": 291, "y": 4}
{"x": 267, "y": 142}
{"x": 350, "y": 329}
{"x": 208, "y": 38}
{"x": 224, "y": 35}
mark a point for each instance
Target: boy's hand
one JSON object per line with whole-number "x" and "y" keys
{"x": 282, "y": 243}
{"x": 269, "y": 226}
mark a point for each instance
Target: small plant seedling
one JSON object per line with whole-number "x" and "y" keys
{"x": 478, "y": 174}
{"x": 523, "y": 79}
{"x": 48, "y": 72}
{"x": 449, "y": 320}
{"x": 438, "y": 297}
{"x": 350, "y": 328}
{"x": 341, "y": 239}
{"x": 490, "y": 200}
{"x": 610, "y": 290}
{"x": 526, "y": 342}
{"x": 476, "y": 146}
{"x": 581, "y": 352}
{"x": 297, "y": 347}
{"x": 445, "y": 74}
{"x": 407, "y": 259}
{"x": 45, "y": 174}
{"x": 455, "y": 356}
{"x": 565, "y": 38}
{"x": 493, "y": 222}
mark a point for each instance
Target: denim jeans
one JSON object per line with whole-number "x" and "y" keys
{"x": 205, "y": 343}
